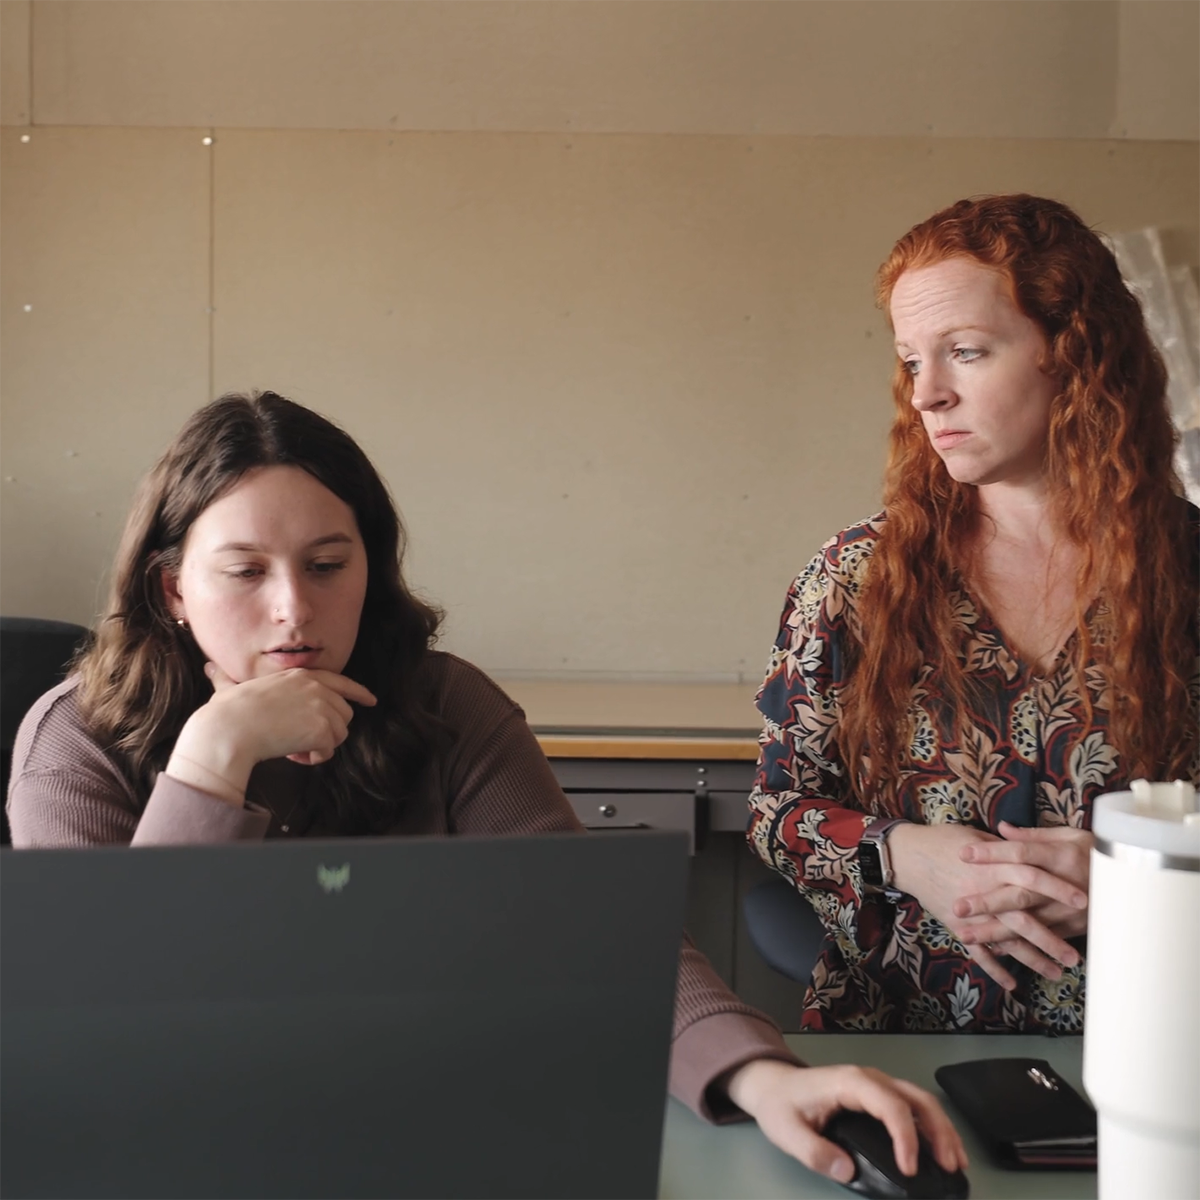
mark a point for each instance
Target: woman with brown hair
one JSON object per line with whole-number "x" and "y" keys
{"x": 958, "y": 677}
{"x": 264, "y": 671}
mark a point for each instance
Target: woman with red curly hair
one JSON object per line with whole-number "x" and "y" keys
{"x": 956, "y": 679}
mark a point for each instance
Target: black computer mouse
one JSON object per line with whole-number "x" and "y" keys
{"x": 867, "y": 1141}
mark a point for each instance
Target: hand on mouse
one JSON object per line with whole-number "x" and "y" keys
{"x": 791, "y": 1104}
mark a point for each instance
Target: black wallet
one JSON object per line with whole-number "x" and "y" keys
{"x": 1027, "y": 1115}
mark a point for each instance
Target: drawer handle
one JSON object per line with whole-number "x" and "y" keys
{"x": 608, "y": 810}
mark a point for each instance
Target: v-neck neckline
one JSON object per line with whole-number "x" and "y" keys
{"x": 1025, "y": 669}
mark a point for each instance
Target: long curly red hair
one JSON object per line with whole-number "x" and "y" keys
{"x": 1112, "y": 484}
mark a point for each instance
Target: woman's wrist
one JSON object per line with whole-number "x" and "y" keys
{"x": 904, "y": 850}
{"x": 197, "y": 775}
{"x": 207, "y": 758}
{"x": 745, "y": 1085}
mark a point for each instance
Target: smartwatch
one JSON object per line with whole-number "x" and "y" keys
{"x": 874, "y": 862}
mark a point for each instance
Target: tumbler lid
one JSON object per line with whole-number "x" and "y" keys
{"x": 1160, "y": 817}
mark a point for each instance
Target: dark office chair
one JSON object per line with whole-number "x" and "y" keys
{"x": 784, "y": 928}
{"x": 34, "y": 656}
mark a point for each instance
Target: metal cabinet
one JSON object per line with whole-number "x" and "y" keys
{"x": 708, "y": 801}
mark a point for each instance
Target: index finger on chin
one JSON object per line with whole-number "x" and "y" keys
{"x": 349, "y": 689}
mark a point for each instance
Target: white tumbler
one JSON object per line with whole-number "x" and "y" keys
{"x": 1141, "y": 1042}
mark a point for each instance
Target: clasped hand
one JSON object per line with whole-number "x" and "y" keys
{"x": 1020, "y": 895}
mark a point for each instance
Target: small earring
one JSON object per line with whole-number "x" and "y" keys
{"x": 181, "y": 622}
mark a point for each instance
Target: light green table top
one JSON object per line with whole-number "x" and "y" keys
{"x": 723, "y": 1162}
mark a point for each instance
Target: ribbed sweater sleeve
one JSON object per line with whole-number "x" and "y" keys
{"x": 65, "y": 791}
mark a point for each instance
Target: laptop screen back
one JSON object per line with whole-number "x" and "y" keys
{"x": 416, "y": 1017}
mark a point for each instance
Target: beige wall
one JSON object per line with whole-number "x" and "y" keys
{"x": 608, "y": 67}
{"x": 591, "y": 282}
{"x": 1158, "y": 70}
{"x": 15, "y": 49}
{"x": 104, "y": 235}
{"x": 951, "y": 68}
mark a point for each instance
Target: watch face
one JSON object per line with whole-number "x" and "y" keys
{"x": 871, "y": 864}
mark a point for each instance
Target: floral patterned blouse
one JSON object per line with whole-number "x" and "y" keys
{"x": 1022, "y": 760}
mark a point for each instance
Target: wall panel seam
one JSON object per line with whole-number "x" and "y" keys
{"x": 29, "y": 111}
{"x": 212, "y": 262}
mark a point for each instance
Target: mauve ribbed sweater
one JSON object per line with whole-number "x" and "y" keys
{"x": 65, "y": 791}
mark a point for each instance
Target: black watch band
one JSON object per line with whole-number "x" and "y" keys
{"x": 874, "y": 862}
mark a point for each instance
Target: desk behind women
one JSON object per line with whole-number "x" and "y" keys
{"x": 701, "y": 1161}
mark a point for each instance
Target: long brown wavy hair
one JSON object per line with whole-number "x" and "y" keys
{"x": 1113, "y": 490}
{"x": 143, "y": 675}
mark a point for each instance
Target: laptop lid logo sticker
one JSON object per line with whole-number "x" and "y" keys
{"x": 333, "y": 879}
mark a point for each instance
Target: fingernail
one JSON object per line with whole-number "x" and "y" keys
{"x": 842, "y": 1170}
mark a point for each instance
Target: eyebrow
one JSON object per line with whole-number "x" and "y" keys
{"x": 945, "y": 333}
{"x": 330, "y": 539}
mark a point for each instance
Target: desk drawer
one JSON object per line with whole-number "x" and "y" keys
{"x": 639, "y": 774}
{"x": 637, "y": 810}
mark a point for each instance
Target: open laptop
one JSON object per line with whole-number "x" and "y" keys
{"x": 357, "y": 1018}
